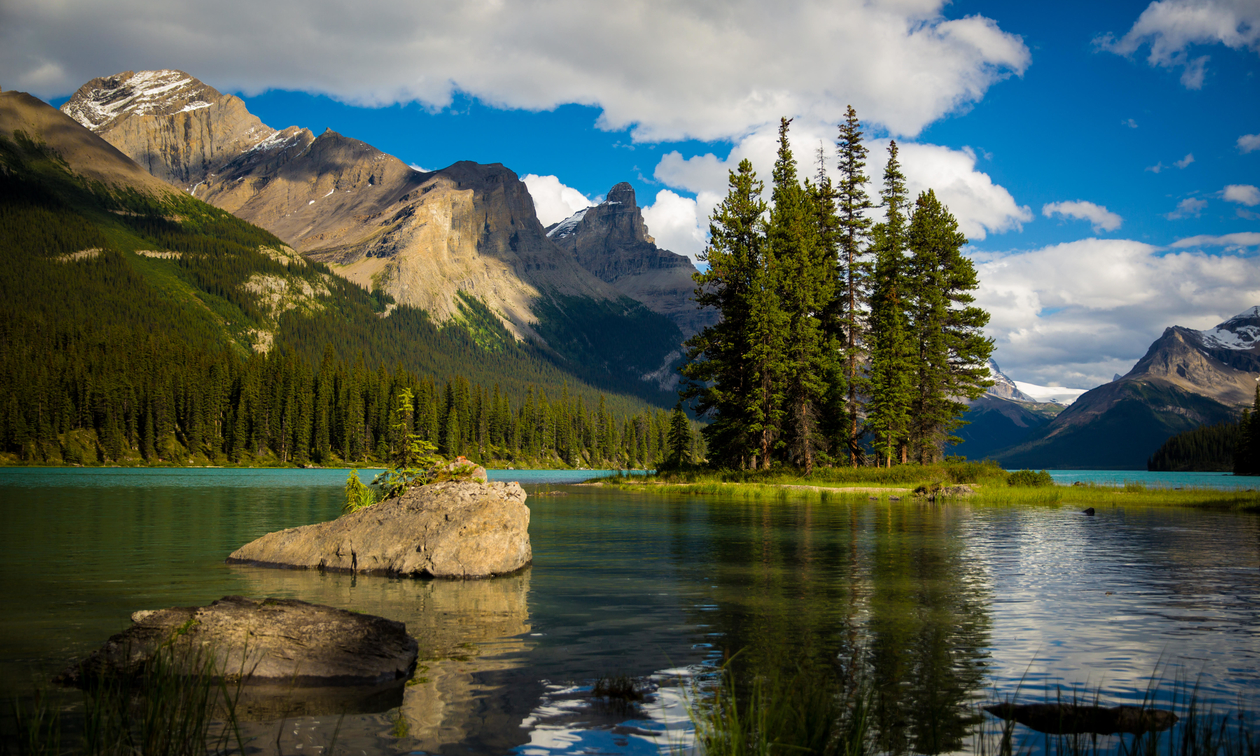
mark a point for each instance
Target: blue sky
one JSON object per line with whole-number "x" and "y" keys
{"x": 1104, "y": 158}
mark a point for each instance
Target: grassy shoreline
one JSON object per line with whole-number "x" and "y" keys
{"x": 973, "y": 483}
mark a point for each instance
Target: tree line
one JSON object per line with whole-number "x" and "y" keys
{"x": 841, "y": 340}
{"x": 158, "y": 401}
{"x": 107, "y": 356}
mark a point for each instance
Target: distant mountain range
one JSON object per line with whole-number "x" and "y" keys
{"x": 612, "y": 303}
{"x": 1187, "y": 379}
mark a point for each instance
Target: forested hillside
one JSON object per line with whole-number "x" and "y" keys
{"x": 148, "y": 326}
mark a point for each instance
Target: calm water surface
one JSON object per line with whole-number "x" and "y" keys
{"x": 946, "y": 606}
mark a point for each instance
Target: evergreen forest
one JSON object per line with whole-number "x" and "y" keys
{"x": 142, "y": 330}
{"x": 842, "y": 340}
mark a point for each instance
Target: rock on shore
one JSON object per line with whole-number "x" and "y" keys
{"x": 264, "y": 641}
{"x": 464, "y": 529}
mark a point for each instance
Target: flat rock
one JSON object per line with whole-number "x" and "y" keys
{"x": 458, "y": 529}
{"x": 281, "y": 642}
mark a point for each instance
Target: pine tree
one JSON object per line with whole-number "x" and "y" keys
{"x": 951, "y": 352}
{"x": 679, "y": 439}
{"x": 718, "y": 369}
{"x": 853, "y": 207}
{"x": 888, "y": 409}
{"x": 798, "y": 235}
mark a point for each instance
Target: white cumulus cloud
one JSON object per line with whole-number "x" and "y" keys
{"x": 1243, "y": 194}
{"x": 1172, "y": 27}
{"x": 980, "y": 206}
{"x": 1249, "y": 143}
{"x": 667, "y": 69}
{"x": 553, "y": 201}
{"x": 1078, "y": 313}
{"x": 677, "y": 224}
{"x": 1099, "y": 217}
{"x": 1185, "y": 161}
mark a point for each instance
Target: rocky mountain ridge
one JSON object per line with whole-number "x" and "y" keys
{"x": 611, "y": 241}
{"x": 421, "y": 237}
{"x": 1187, "y": 378}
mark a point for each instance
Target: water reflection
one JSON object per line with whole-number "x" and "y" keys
{"x": 889, "y": 593}
{"x": 469, "y": 631}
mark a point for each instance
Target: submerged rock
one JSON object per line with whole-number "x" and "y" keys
{"x": 464, "y": 529}
{"x": 268, "y": 642}
{"x": 1072, "y": 719}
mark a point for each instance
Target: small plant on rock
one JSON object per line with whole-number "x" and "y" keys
{"x": 416, "y": 462}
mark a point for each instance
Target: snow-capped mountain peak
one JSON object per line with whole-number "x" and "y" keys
{"x": 138, "y": 92}
{"x": 1241, "y": 332}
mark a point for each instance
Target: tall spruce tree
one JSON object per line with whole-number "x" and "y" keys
{"x": 719, "y": 376}
{"x": 853, "y": 206}
{"x": 797, "y": 242}
{"x": 950, "y": 351}
{"x": 891, "y": 366}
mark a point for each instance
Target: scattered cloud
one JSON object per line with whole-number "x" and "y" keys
{"x": 980, "y": 206}
{"x": 1155, "y": 168}
{"x": 1186, "y": 208}
{"x": 1237, "y": 241}
{"x": 1080, "y": 312}
{"x": 415, "y": 167}
{"x": 1130, "y": 123}
{"x": 1243, "y": 194}
{"x": 1172, "y": 27}
{"x": 1185, "y": 161}
{"x": 665, "y": 70}
{"x": 553, "y": 201}
{"x": 1099, "y": 217}
{"x": 1249, "y": 143}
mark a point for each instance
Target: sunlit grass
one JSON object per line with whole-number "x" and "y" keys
{"x": 988, "y": 483}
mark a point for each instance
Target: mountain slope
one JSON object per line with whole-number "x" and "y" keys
{"x": 430, "y": 240}
{"x": 611, "y": 241}
{"x": 1186, "y": 379}
{"x": 99, "y": 258}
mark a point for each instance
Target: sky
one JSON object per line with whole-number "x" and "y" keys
{"x": 1102, "y": 158}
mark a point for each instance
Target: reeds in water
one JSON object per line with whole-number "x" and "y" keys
{"x": 179, "y": 705}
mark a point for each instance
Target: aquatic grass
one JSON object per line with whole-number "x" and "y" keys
{"x": 800, "y": 710}
{"x": 180, "y": 704}
{"x": 804, "y": 712}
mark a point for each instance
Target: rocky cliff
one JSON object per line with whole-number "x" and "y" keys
{"x": 421, "y": 237}
{"x": 611, "y": 241}
{"x": 1222, "y": 363}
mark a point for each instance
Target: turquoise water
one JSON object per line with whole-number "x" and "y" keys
{"x": 945, "y": 606}
{"x": 1227, "y": 481}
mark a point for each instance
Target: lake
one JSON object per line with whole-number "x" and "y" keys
{"x": 945, "y": 606}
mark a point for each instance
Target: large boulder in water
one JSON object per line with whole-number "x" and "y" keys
{"x": 457, "y": 529}
{"x": 270, "y": 641}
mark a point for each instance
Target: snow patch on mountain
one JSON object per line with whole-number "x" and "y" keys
{"x": 1056, "y": 394}
{"x": 568, "y": 225}
{"x": 139, "y": 93}
{"x": 1240, "y": 332}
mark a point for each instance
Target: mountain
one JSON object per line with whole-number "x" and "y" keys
{"x": 1187, "y": 379}
{"x": 140, "y": 323}
{"x": 436, "y": 241}
{"x": 1003, "y": 387}
{"x": 611, "y": 241}
{"x": 1003, "y": 416}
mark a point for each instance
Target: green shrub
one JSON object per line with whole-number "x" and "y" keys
{"x": 1030, "y": 479}
{"x": 358, "y": 495}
